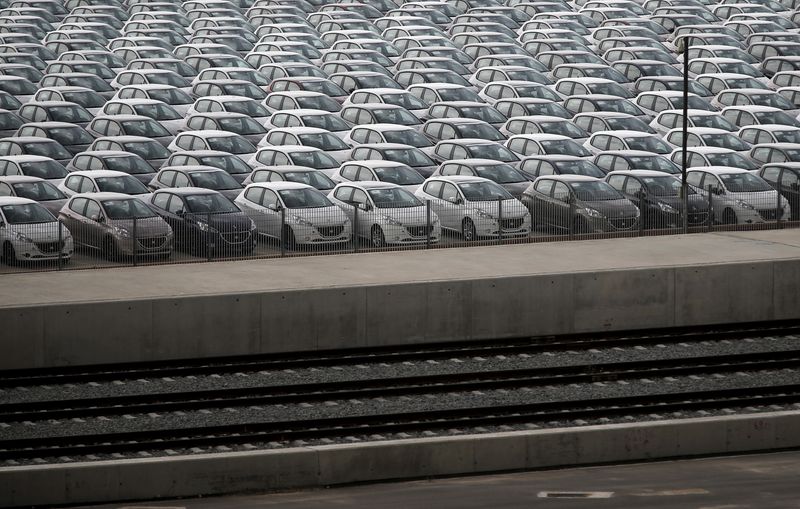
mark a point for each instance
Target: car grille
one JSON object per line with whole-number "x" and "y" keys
{"x": 625, "y": 223}
{"x": 769, "y": 214}
{"x": 50, "y": 247}
{"x": 330, "y": 231}
{"x": 152, "y": 242}
{"x": 235, "y": 238}
{"x": 419, "y": 231}
{"x": 512, "y": 224}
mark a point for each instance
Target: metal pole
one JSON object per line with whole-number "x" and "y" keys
{"x": 355, "y": 227}
{"x": 60, "y": 245}
{"x": 685, "y": 158}
{"x": 500, "y": 219}
{"x": 710, "y": 209}
{"x": 778, "y": 209}
{"x": 208, "y": 236}
{"x": 428, "y": 225}
{"x": 135, "y": 242}
{"x": 572, "y": 219}
{"x": 284, "y": 238}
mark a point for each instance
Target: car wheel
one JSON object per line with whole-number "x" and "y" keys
{"x": 468, "y": 230}
{"x": 9, "y": 255}
{"x": 376, "y": 237}
{"x": 289, "y": 241}
{"x": 729, "y": 217}
{"x": 110, "y": 251}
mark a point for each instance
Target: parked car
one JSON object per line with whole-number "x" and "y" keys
{"x": 29, "y": 232}
{"x": 739, "y": 196}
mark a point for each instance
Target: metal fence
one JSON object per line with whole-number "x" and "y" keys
{"x": 100, "y": 241}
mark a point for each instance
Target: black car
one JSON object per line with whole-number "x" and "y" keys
{"x": 785, "y": 177}
{"x": 205, "y": 222}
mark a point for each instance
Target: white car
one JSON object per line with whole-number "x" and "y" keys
{"x": 295, "y": 213}
{"x": 28, "y": 231}
{"x": 471, "y": 207}
{"x": 322, "y": 139}
{"x": 383, "y": 171}
{"x": 103, "y": 181}
{"x": 386, "y": 213}
{"x": 740, "y": 196}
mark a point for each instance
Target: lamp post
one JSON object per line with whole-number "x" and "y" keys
{"x": 685, "y": 143}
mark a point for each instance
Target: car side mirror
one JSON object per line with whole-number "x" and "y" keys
{"x": 274, "y": 207}
{"x": 455, "y": 200}
{"x": 180, "y": 212}
{"x": 366, "y": 207}
{"x": 719, "y": 191}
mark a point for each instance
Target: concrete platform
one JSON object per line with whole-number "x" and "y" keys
{"x": 358, "y": 300}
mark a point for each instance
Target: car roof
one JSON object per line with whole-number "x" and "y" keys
{"x": 642, "y": 173}
{"x": 369, "y": 184}
{"x": 12, "y": 179}
{"x": 186, "y": 190}
{"x": 280, "y": 185}
{"x": 718, "y": 170}
{"x": 15, "y": 200}
{"x": 103, "y": 196}
{"x": 570, "y": 178}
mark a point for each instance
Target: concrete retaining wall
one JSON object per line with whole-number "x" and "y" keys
{"x": 216, "y": 474}
{"x": 347, "y": 317}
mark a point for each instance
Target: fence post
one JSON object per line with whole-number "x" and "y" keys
{"x": 642, "y": 206}
{"x": 428, "y": 225}
{"x": 710, "y": 210}
{"x": 284, "y": 240}
{"x": 208, "y": 236}
{"x": 499, "y": 219}
{"x": 778, "y": 209}
{"x": 135, "y": 243}
{"x": 355, "y": 227}
{"x": 572, "y": 219}
{"x": 61, "y": 245}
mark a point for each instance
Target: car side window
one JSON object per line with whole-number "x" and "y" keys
{"x": 175, "y": 204}
{"x": 789, "y": 178}
{"x": 617, "y": 182}
{"x": 269, "y": 198}
{"x": 181, "y": 180}
{"x": 5, "y": 189}
{"x": 360, "y": 197}
{"x": 434, "y": 188}
{"x": 632, "y": 186}
{"x": 449, "y": 192}
{"x": 167, "y": 178}
{"x": 92, "y": 210}
{"x": 78, "y": 205}
{"x": 561, "y": 192}
{"x": 161, "y": 200}
{"x": 545, "y": 187}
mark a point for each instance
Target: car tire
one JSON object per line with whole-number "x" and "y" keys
{"x": 289, "y": 241}
{"x": 729, "y": 217}
{"x": 9, "y": 255}
{"x": 110, "y": 251}
{"x": 376, "y": 237}
{"x": 468, "y": 230}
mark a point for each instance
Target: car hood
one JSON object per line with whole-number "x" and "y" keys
{"x": 319, "y": 216}
{"x": 405, "y": 215}
{"x": 611, "y": 208}
{"x": 697, "y": 203}
{"x": 53, "y": 206}
{"x": 511, "y": 208}
{"x": 760, "y": 199}
{"x": 145, "y": 227}
{"x": 39, "y": 232}
{"x": 517, "y": 188}
{"x": 228, "y": 221}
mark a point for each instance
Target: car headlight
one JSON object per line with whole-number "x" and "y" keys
{"x": 593, "y": 213}
{"x": 299, "y": 220}
{"x": 669, "y": 209}
{"x": 392, "y": 221}
{"x": 121, "y": 231}
{"x": 484, "y": 214}
{"x": 204, "y": 227}
{"x": 744, "y": 205}
{"x": 22, "y": 237}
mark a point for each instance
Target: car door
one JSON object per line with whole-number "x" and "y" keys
{"x": 560, "y": 206}
{"x": 451, "y": 207}
{"x": 270, "y": 213}
{"x": 95, "y": 222}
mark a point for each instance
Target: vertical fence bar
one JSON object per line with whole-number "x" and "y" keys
{"x": 61, "y": 245}
{"x": 778, "y": 210}
{"x": 355, "y": 227}
{"x": 572, "y": 218}
{"x": 208, "y": 236}
{"x": 642, "y": 206}
{"x": 710, "y": 210}
{"x": 500, "y": 220}
{"x": 685, "y": 130}
{"x": 284, "y": 237}
{"x": 135, "y": 242}
{"x": 428, "y": 224}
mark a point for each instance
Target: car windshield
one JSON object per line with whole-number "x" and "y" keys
{"x": 663, "y": 186}
{"x": 396, "y": 116}
{"x": 485, "y": 113}
{"x": 9, "y": 102}
{"x": 123, "y": 184}
{"x": 775, "y": 117}
{"x": 241, "y": 125}
{"x": 400, "y": 175}
{"x": 171, "y": 96}
{"x": 166, "y": 78}
{"x": 304, "y": 199}
{"x": 737, "y": 54}
{"x": 91, "y": 82}
{"x": 316, "y": 179}
{"x": 250, "y": 108}
{"x": 43, "y": 169}
{"x": 209, "y": 204}
{"x": 328, "y": 122}
{"x": 128, "y": 164}
{"x": 393, "y": 198}
{"x": 618, "y": 106}
{"x": 732, "y": 160}
{"x": 493, "y": 151}
{"x": 500, "y": 173}
{"x": 37, "y": 191}
{"x": 459, "y": 94}
{"x": 788, "y": 136}
{"x": 48, "y": 149}
{"x": 147, "y": 149}
{"x": 244, "y": 90}
{"x": 595, "y": 190}
{"x": 323, "y": 141}
{"x": 27, "y": 213}
{"x": 745, "y": 83}
{"x": 726, "y": 140}
{"x": 230, "y": 164}
{"x": 483, "y": 191}
{"x": 314, "y": 159}
{"x": 324, "y": 103}
{"x": 231, "y": 144}
{"x": 713, "y": 121}
{"x": 744, "y": 183}
{"x": 656, "y": 163}
{"x": 564, "y": 128}
{"x": 412, "y": 157}
{"x": 216, "y": 180}
{"x": 251, "y": 76}
{"x": 606, "y": 73}
{"x": 70, "y": 135}
{"x": 71, "y": 114}
{"x": 18, "y": 87}
{"x": 157, "y": 111}
{"x": 148, "y": 128}
{"x": 739, "y": 68}
{"x": 482, "y": 131}
{"x": 87, "y": 99}
{"x": 774, "y": 100}
{"x": 405, "y": 100}
{"x": 326, "y": 87}
{"x": 608, "y": 89}
{"x": 578, "y": 167}
{"x": 647, "y": 144}
{"x": 538, "y": 92}
{"x": 564, "y": 147}
{"x": 127, "y": 209}
{"x": 407, "y": 137}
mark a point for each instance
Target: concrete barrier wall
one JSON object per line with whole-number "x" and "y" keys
{"x": 217, "y": 474}
{"x": 348, "y": 317}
